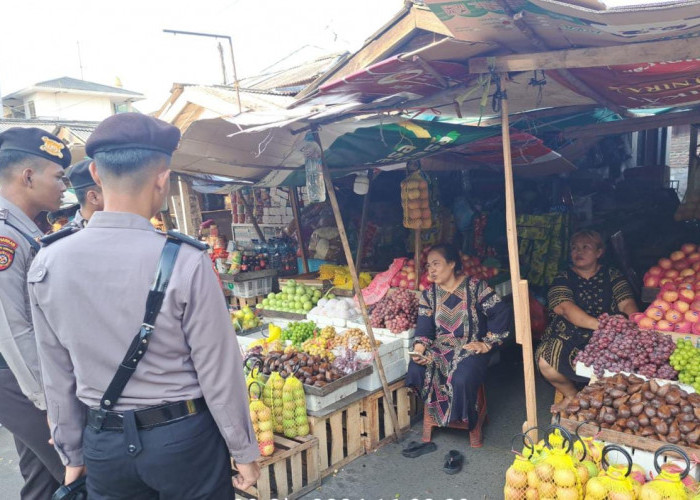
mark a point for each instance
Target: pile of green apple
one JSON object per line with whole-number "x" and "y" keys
{"x": 294, "y": 297}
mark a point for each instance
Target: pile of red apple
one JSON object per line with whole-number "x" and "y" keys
{"x": 676, "y": 309}
{"x": 682, "y": 266}
{"x": 406, "y": 277}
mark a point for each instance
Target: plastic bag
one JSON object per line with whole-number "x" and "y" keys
{"x": 415, "y": 201}
{"x": 272, "y": 397}
{"x": 558, "y": 473}
{"x": 668, "y": 485}
{"x": 294, "y": 420}
{"x": 261, "y": 416}
{"x": 615, "y": 483}
{"x": 521, "y": 479}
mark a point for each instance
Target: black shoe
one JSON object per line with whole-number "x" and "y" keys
{"x": 453, "y": 462}
{"x": 415, "y": 449}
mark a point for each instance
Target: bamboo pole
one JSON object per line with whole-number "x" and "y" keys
{"x": 417, "y": 251}
{"x": 294, "y": 198}
{"x": 363, "y": 225}
{"x": 358, "y": 291}
{"x": 521, "y": 308}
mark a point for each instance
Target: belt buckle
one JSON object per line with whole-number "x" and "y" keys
{"x": 100, "y": 417}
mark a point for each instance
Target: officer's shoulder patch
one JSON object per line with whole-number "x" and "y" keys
{"x": 37, "y": 273}
{"x": 61, "y": 233}
{"x": 7, "y": 252}
{"x": 187, "y": 239}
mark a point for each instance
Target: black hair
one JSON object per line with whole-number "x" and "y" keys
{"x": 125, "y": 162}
{"x": 10, "y": 159}
{"x": 450, "y": 253}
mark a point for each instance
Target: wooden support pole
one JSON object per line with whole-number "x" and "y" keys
{"x": 294, "y": 198}
{"x": 521, "y": 308}
{"x": 358, "y": 291}
{"x": 363, "y": 225}
{"x": 629, "y": 53}
{"x": 253, "y": 219}
{"x": 417, "y": 251}
{"x": 692, "y": 160}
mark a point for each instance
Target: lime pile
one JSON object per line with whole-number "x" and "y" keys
{"x": 686, "y": 361}
{"x": 299, "y": 332}
{"x": 294, "y": 297}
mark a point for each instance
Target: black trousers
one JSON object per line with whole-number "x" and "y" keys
{"x": 39, "y": 463}
{"x": 186, "y": 459}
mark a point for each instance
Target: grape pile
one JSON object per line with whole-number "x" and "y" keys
{"x": 686, "y": 359}
{"x": 619, "y": 345}
{"x": 397, "y": 311}
{"x": 299, "y": 331}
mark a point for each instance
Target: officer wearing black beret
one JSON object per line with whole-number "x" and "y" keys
{"x": 183, "y": 413}
{"x": 88, "y": 193}
{"x": 31, "y": 181}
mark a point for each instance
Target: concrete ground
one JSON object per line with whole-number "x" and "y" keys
{"x": 386, "y": 474}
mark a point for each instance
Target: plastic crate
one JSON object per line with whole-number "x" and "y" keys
{"x": 252, "y": 288}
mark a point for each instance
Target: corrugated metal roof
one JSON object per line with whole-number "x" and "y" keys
{"x": 67, "y": 82}
{"x": 80, "y": 129}
{"x": 294, "y": 78}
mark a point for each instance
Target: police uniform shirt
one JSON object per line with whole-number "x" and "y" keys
{"x": 78, "y": 220}
{"x": 88, "y": 293}
{"x": 17, "y": 341}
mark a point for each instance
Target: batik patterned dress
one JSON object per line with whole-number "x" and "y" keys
{"x": 446, "y": 323}
{"x": 562, "y": 341}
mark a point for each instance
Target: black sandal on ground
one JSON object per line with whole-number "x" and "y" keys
{"x": 415, "y": 449}
{"x": 453, "y": 462}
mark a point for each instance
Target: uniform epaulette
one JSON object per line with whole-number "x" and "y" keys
{"x": 187, "y": 239}
{"x": 61, "y": 233}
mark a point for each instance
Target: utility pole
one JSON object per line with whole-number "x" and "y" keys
{"x": 221, "y": 54}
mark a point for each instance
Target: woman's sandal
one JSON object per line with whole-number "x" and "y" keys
{"x": 415, "y": 449}
{"x": 453, "y": 462}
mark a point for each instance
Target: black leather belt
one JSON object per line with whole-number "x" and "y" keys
{"x": 3, "y": 363}
{"x": 147, "y": 418}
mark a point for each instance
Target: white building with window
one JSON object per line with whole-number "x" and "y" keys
{"x": 69, "y": 99}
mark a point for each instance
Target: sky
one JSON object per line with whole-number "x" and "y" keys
{"x": 42, "y": 40}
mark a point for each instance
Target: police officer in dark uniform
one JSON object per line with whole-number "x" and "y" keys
{"x": 88, "y": 193}
{"x": 32, "y": 164}
{"x": 183, "y": 413}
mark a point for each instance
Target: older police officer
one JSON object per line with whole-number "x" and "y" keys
{"x": 89, "y": 194}
{"x": 31, "y": 181}
{"x": 184, "y": 410}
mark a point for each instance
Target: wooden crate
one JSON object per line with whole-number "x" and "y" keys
{"x": 290, "y": 472}
{"x": 251, "y": 302}
{"x": 339, "y": 433}
{"x": 378, "y": 428}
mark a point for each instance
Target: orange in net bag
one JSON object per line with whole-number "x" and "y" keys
{"x": 521, "y": 480}
{"x": 615, "y": 482}
{"x": 668, "y": 485}
{"x": 558, "y": 475}
{"x": 415, "y": 201}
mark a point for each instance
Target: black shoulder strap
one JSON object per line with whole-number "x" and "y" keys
{"x": 61, "y": 233}
{"x": 188, "y": 239}
{"x": 139, "y": 345}
{"x": 32, "y": 242}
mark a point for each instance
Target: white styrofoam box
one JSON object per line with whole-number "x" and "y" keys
{"x": 287, "y": 219}
{"x": 645, "y": 459}
{"x": 266, "y": 211}
{"x": 276, "y": 219}
{"x": 289, "y": 211}
{"x": 392, "y": 371}
{"x": 316, "y": 403}
{"x": 326, "y": 321}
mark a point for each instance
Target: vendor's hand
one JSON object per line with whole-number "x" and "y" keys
{"x": 419, "y": 348}
{"x": 478, "y": 347}
{"x": 74, "y": 473}
{"x": 248, "y": 475}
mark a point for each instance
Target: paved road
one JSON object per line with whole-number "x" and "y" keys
{"x": 387, "y": 474}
